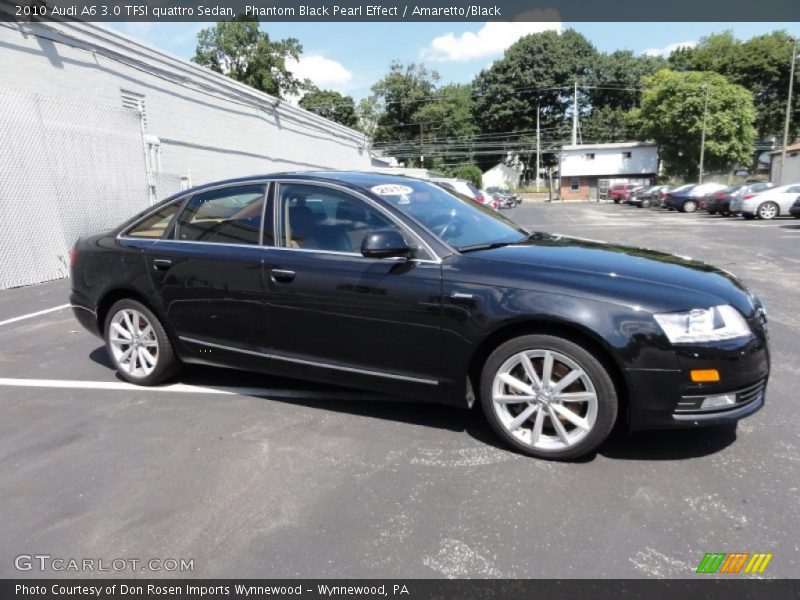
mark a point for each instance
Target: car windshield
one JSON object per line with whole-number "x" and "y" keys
{"x": 455, "y": 219}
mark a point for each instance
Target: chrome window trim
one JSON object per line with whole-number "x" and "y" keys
{"x": 310, "y": 362}
{"x": 191, "y": 192}
{"x": 346, "y": 190}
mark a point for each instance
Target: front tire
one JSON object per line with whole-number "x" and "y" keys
{"x": 137, "y": 344}
{"x": 645, "y": 204}
{"x": 548, "y": 397}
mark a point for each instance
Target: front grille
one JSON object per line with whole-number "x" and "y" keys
{"x": 752, "y": 393}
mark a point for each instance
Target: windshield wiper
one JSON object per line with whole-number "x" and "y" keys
{"x": 486, "y": 246}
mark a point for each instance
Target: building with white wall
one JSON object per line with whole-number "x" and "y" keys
{"x": 582, "y": 168}
{"x": 791, "y": 168}
{"x": 104, "y": 125}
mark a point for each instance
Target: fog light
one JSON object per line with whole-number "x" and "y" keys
{"x": 704, "y": 375}
{"x": 719, "y": 401}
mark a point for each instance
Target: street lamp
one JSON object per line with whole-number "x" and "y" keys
{"x": 703, "y": 135}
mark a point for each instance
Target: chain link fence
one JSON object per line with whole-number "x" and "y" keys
{"x": 67, "y": 168}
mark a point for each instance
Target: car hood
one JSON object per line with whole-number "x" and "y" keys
{"x": 637, "y": 277}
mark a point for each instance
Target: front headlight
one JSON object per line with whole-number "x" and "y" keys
{"x": 703, "y": 325}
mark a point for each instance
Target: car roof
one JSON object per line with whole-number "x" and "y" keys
{"x": 356, "y": 179}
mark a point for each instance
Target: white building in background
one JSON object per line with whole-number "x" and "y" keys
{"x": 103, "y": 125}
{"x": 791, "y": 170}
{"x": 583, "y": 169}
{"x": 503, "y": 176}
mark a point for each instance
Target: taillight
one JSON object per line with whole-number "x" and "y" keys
{"x": 747, "y": 196}
{"x": 719, "y": 196}
{"x": 73, "y": 257}
{"x": 479, "y": 198}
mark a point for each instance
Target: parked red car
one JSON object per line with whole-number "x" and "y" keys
{"x": 620, "y": 192}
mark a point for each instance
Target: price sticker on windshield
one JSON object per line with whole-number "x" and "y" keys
{"x": 391, "y": 189}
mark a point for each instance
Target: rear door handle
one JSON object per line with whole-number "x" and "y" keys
{"x": 282, "y": 275}
{"x": 161, "y": 264}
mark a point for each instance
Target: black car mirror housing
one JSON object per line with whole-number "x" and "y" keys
{"x": 385, "y": 243}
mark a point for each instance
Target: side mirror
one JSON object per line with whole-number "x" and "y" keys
{"x": 385, "y": 243}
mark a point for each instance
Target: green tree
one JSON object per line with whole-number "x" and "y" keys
{"x": 401, "y": 92}
{"x": 471, "y": 173}
{"x": 609, "y": 124}
{"x": 538, "y": 69}
{"x": 331, "y": 105}
{"x": 761, "y": 64}
{"x": 240, "y": 50}
{"x": 672, "y": 111}
{"x": 447, "y": 124}
{"x": 369, "y": 112}
{"x": 616, "y": 78}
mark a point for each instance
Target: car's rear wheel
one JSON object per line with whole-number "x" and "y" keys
{"x": 748, "y": 216}
{"x": 548, "y": 397}
{"x": 689, "y": 206}
{"x": 768, "y": 210}
{"x": 138, "y": 345}
{"x": 645, "y": 203}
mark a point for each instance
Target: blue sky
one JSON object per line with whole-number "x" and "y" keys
{"x": 350, "y": 57}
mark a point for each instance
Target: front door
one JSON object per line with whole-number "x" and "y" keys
{"x": 207, "y": 271}
{"x": 369, "y": 322}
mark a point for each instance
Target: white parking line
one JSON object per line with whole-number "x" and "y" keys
{"x": 180, "y": 388}
{"x": 36, "y": 314}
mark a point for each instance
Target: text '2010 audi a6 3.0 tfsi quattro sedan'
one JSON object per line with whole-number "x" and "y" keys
{"x": 395, "y": 285}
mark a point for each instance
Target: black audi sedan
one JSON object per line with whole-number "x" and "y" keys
{"x": 395, "y": 285}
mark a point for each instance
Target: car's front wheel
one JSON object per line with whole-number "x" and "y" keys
{"x": 645, "y": 203}
{"x": 137, "y": 344}
{"x": 548, "y": 397}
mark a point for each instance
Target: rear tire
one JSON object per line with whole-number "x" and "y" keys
{"x": 749, "y": 217}
{"x": 554, "y": 423}
{"x": 138, "y": 345}
{"x": 768, "y": 211}
{"x": 645, "y": 204}
{"x": 689, "y": 206}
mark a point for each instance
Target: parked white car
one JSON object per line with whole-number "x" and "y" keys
{"x": 465, "y": 188}
{"x": 769, "y": 204}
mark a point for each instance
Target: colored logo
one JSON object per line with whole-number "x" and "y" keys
{"x": 734, "y": 562}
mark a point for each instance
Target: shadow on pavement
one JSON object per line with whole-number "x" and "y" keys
{"x": 676, "y": 444}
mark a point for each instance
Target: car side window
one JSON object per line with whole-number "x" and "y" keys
{"x": 320, "y": 218}
{"x": 795, "y": 189}
{"x": 230, "y": 215}
{"x": 156, "y": 224}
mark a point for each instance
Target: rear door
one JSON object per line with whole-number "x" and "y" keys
{"x": 207, "y": 270}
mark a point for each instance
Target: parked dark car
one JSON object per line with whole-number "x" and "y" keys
{"x": 688, "y": 200}
{"x": 649, "y": 196}
{"x": 794, "y": 209}
{"x": 505, "y": 198}
{"x": 397, "y": 286}
{"x": 720, "y": 202}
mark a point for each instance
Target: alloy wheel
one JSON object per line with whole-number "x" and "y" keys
{"x": 544, "y": 399}
{"x": 690, "y": 206}
{"x": 768, "y": 211}
{"x": 133, "y": 342}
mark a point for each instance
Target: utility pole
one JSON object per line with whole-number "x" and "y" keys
{"x": 575, "y": 116}
{"x": 538, "y": 147}
{"x": 788, "y": 112}
{"x": 421, "y": 151}
{"x": 703, "y": 136}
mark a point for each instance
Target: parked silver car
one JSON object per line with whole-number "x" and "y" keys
{"x": 767, "y": 205}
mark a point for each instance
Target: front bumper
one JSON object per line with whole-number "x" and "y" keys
{"x": 663, "y": 399}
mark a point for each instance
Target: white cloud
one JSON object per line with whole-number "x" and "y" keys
{"x": 667, "y": 50}
{"x": 323, "y": 72}
{"x": 492, "y": 38}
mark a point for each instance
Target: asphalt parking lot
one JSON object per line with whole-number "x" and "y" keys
{"x": 258, "y": 477}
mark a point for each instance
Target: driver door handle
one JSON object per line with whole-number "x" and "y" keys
{"x": 161, "y": 264}
{"x": 282, "y": 275}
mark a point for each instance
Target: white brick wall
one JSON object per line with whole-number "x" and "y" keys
{"x": 206, "y": 128}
